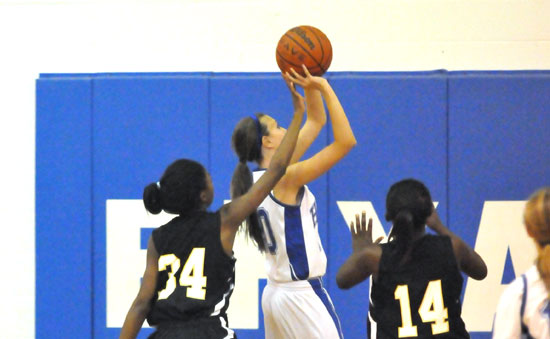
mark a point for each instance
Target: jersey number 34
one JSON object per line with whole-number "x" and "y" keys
{"x": 431, "y": 310}
{"x": 192, "y": 274}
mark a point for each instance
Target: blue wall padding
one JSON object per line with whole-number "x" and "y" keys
{"x": 64, "y": 208}
{"x": 499, "y": 137}
{"x": 140, "y": 126}
{"x": 470, "y": 136}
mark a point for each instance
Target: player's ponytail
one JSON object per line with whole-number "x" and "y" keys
{"x": 246, "y": 142}
{"x": 408, "y": 205}
{"x": 537, "y": 221}
{"x": 543, "y": 265}
{"x": 401, "y": 231}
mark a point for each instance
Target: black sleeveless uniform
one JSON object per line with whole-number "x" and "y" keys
{"x": 195, "y": 279}
{"x": 421, "y": 296}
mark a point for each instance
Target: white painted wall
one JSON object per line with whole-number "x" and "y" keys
{"x": 192, "y": 35}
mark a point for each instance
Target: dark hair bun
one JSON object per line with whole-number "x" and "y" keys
{"x": 151, "y": 198}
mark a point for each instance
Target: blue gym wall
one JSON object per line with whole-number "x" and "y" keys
{"x": 470, "y": 136}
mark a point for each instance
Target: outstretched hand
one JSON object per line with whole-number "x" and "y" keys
{"x": 307, "y": 81}
{"x": 298, "y": 101}
{"x": 361, "y": 236}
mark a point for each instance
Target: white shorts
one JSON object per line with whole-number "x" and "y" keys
{"x": 299, "y": 309}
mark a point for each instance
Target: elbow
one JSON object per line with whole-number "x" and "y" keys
{"x": 352, "y": 143}
{"x": 349, "y": 142}
{"x": 347, "y": 145}
{"x": 482, "y": 274}
{"x": 342, "y": 282}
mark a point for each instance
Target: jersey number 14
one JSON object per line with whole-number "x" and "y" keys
{"x": 431, "y": 309}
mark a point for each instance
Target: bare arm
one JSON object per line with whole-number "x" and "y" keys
{"x": 344, "y": 140}
{"x": 364, "y": 258}
{"x": 233, "y": 213}
{"x": 141, "y": 305}
{"x": 316, "y": 119}
{"x": 468, "y": 260}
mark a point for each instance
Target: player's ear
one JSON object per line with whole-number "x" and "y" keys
{"x": 267, "y": 141}
{"x": 204, "y": 196}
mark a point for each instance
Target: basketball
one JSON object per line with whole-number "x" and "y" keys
{"x": 304, "y": 45}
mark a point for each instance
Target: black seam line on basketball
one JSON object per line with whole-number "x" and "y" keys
{"x": 305, "y": 50}
{"x": 295, "y": 65}
{"x": 307, "y": 28}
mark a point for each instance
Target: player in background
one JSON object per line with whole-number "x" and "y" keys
{"x": 294, "y": 302}
{"x": 524, "y": 308}
{"x": 416, "y": 279}
{"x": 189, "y": 274}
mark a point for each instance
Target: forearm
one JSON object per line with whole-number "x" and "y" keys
{"x": 316, "y": 119}
{"x": 350, "y": 274}
{"x": 341, "y": 128}
{"x": 133, "y": 322}
{"x": 315, "y": 108}
{"x": 284, "y": 152}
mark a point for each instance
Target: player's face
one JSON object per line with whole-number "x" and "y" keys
{"x": 275, "y": 131}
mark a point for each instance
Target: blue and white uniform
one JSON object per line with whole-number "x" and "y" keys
{"x": 523, "y": 310}
{"x": 294, "y": 302}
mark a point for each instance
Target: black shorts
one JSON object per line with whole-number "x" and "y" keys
{"x": 204, "y": 328}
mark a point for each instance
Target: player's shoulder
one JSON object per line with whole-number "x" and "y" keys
{"x": 513, "y": 292}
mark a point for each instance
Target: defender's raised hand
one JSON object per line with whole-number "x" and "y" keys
{"x": 361, "y": 235}
{"x": 297, "y": 99}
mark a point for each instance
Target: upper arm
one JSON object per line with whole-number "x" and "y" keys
{"x": 149, "y": 282}
{"x": 359, "y": 266}
{"x": 468, "y": 260}
{"x": 305, "y": 171}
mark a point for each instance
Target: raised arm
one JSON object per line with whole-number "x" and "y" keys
{"x": 468, "y": 260}
{"x": 316, "y": 119}
{"x": 364, "y": 258}
{"x": 233, "y": 213}
{"x": 306, "y": 171}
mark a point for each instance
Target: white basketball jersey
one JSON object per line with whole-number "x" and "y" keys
{"x": 293, "y": 246}
{"x": 524, "y": 309}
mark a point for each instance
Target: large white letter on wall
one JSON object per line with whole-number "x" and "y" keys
{"x": 501, "y": 227}
{"x": 125, "y": 258}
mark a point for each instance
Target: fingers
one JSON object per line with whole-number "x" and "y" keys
{"x": 377, "y": 241}
{"x": 306, "y": 71}
{"x": 369, "y": 229}
{"x": 291, "y": 85}
{"x": 352, "y": 229}
{"x": 295, "y": 74}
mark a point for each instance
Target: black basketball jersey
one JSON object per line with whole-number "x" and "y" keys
{"x": 420, "y": 298}
{"x": 196, "y": 277}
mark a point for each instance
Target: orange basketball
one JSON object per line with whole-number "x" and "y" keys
{"x": 304, "y": 45}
